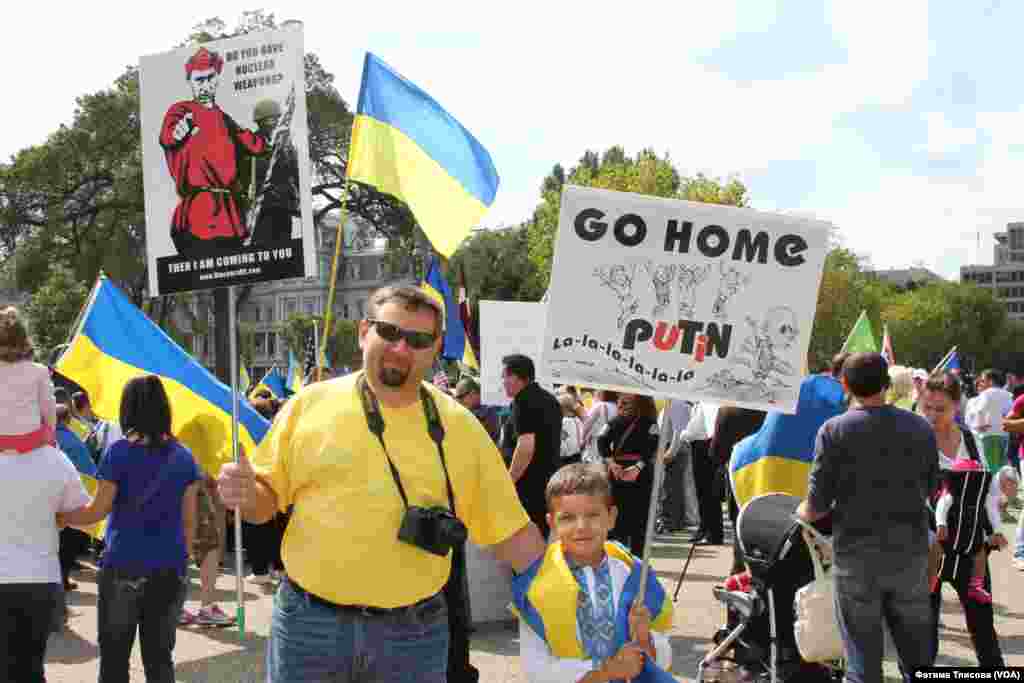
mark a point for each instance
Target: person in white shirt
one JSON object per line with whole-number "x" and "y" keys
{"x": 679, "y": 506}
{"x": 572, "y": 430}
{"x": 35, "y": 484}
{"x": 698, "y": 433}
{"x": 986, "y": 411}
{"x": 603, "y": 410}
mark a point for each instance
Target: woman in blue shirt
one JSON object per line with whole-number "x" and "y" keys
{"x": 147, "y": 484}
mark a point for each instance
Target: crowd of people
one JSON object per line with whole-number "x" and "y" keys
{"x": 382, "y": 464}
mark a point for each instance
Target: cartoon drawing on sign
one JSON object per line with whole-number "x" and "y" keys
{"x": 202, "y": 144}
{"x": 731, "y": 283}
{"x": 760, "y": 352}
{"x": 619, "y": 279}
{"x": 661, "y": 278}
{"x": 690, "y": 278}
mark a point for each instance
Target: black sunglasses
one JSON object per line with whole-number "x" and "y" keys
{"x": 392, "y": 333}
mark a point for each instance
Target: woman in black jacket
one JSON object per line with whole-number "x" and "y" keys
{"x": 628, "y": 445}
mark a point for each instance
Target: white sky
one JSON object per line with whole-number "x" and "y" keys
{"x": 897, "y": 121}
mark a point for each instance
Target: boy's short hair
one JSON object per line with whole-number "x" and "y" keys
{"x": 578, "y": 479}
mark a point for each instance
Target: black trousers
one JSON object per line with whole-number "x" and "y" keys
{"x": 672, "y": 507}
{"x": 273, "y": 225}
{"x": 708, "y": 494}
{"x": 263, "y": 544}
{"x": 26, "y": 614}
{"x": 979, "y": 622}
{"x": 633, "y": 500}
{"x": 456, "y": 593}
{"x": 72, "y": 545}
{"x": 148, "y": 604}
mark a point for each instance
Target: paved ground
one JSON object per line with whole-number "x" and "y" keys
{"x": 217, "y": 655}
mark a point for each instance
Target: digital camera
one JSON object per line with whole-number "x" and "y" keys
{"x": 433, "y": 529}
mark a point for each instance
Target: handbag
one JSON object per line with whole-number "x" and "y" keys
{"x": 816, "y": 628}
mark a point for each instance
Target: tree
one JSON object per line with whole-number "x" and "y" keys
{"x": 54, "y": 308}
{"x": 846, "y": 290}
{"x": 928, "y": 321}
{"x": 496, "y": 265}
{"x": 342, "y": 347}
{"x": 647, "y": 173}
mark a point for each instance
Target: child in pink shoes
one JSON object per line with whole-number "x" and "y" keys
{"x": 1004, "y": 486}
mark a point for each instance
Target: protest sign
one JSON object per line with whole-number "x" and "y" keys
{"x": 226, "y": 163}
{"x": 681, "y": 299}
{"x": 507, "y": 327}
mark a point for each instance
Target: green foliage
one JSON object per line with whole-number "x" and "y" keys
{"x": 846, "y": 290}
{"x": 926, "y": 322}
{"x": 342, "y": 348}
{"x": 647, "y": 173}
{"x": 496, "y": 265}
{"x": 54, "y": 308}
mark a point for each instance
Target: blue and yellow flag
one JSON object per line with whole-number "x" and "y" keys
{"x": 116, "y": 342}
{"x": 436, "y": 286}
{"x": 407, "y": 146}
{"x": 273, "y": 382}
{"x": 777, "y": 459}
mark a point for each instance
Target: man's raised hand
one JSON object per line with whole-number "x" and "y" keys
{"x": 184, "y": 127}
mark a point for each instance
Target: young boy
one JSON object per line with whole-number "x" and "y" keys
{"x": 578, "y": 621}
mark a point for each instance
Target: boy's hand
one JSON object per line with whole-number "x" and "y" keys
{"x": 640, "y": 625}
{"x": 615, "y": 470}
{"x": 942, "y": 534}
{"x": 627, "y": 663}
{"x": 630, "y": 474}
{"x": 998, "y": 540}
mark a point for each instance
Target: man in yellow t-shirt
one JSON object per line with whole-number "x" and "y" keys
{"x": 357, "y": 600}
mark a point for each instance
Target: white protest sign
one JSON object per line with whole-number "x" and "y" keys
{"x": 226, "y": 168}
{"x": 507, "y": 327}
{"x": 681, "y": 299}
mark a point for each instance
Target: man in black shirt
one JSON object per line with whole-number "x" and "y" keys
{"x": 537, "y": 421}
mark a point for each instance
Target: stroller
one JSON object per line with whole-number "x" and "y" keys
{"x": 758, "y": 636}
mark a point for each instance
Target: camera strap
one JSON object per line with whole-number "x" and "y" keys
{"x": 375, "y": 423}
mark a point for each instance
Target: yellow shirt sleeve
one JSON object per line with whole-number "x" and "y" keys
{"x": 270, "y": 460}
{"x": 490, "y": 507}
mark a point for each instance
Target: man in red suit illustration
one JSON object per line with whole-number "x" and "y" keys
{"x": 202, "y": 144}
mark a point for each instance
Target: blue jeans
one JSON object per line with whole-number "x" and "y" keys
{"x": 871, "y": 592}
{"x": 312, "y": 642}
{"x": 149, "y": 603}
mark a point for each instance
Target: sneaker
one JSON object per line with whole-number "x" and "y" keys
{"x": 186, "y": 618}
{"x": 213, "y": 616}
{"x": 262, "y": 579}
{"x": 976, "y": 591}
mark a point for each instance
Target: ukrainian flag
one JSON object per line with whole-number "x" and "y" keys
{"x": 777, "y": 459}
{"x": 455, "y": 346}
{"x": 273, "y": 382}
{"x": 116, "y": 342}
{"x": 405, "y": 145}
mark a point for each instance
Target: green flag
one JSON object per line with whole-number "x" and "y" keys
{"x": 861, "y": 339}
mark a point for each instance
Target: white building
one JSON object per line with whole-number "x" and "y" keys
{"x": 1006, "y": 277}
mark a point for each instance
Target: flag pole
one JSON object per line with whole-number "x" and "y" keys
{"x": 239, "y": 560}
{"x": 944, "y": 360}
{"x": 652, "y": 513}
{"x": 334, "y": 268}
